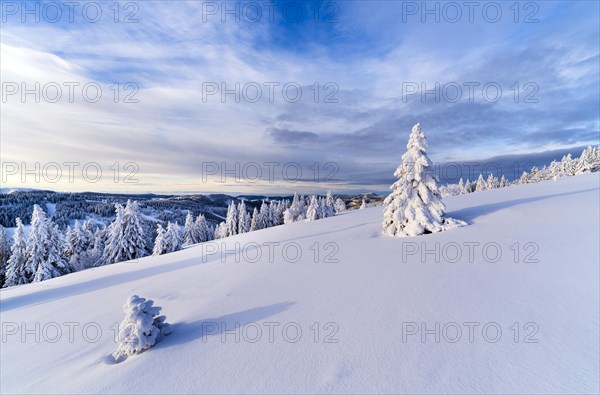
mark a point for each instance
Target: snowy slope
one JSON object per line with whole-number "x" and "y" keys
{"x": 367, "y": 302}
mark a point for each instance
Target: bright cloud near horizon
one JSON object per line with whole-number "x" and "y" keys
{"x": 509, "y": 78}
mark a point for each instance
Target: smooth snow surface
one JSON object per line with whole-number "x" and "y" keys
{"x": 367, "y": 302}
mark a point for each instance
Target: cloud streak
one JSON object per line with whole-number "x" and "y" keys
{"x": 354, "y": 110}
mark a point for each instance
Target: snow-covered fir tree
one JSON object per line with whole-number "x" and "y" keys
{"x": 17, "y": 270}
{"x": 231, "y": 221}
{"x": 414, "y": 206}
{"x": 173, "y": 237}
{"x": 312, "y": 213}
{"x": 55, "y": 264}
{"x": 4, "y": 253}
{"x": 44, "y": 248}
{"x": 461, "y": 186}
{"x": 321, "y": 208}
{"x": 142, "y": 327}
{"x": 220, "y": 231}
{"x": 273, "y": 213}
{"x": 328, "y": 207}
{"x": 554, "y": 170}
{"x": 492, "y": 182}
{"x": 79, "y": 245}
{"x": 134, "y": 240}
{"x": 296, "y": 211}
{"x": 112, "y": 248}
{"x": 202, "y": 227}
{"x": 126, "y": 237}
{"x": 189, "y": 232}
{"x": 568, "y": 165}
{"x": 363, "y": 205}
{"x": 254, "y": 221}
{"x": 302, "y": 205}
{"x": 37, "y": 240}
{"x": 160, "y": 243}
{"x": 87, "y": 235}
{"x": 468, "y": 186}
{"x": 282, "y": 205}
{"x": 481, "y": 183}
{"x": 340, "y": 206}
{"x": 98, "y": 249}
{"x": 533, "y": 175}
{"x": 243, "y": 218}
{"x": 264, "y": 216}
{"x": 524, "y": 179}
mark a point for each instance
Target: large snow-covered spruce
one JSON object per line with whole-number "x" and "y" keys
{"x": 160, "y": 243}
{"x": 44, "y": 248}
{"x": 141, "y": 328}
{"x": 4, "y": 253}
{"x": 126, "y": 238}
{"x": 16, "y": 267}
{"x": 414, "y": 206}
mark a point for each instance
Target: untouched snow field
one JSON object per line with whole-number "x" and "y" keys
{"x": 386, "y": 317}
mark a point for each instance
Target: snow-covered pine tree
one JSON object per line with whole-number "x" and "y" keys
{"x": 279, "y": 211}
{"x": 264, "y": 216}
{"x": 363, "y": 205}
{"x": 504, "y": 182}
{"x": 461, "y": 186}
{"x": 55, "y": 263}
{"x": 44, "y": 248}
{"x": 313, "y": 209}
{"x": 4, "y": 253}
{"x": 555, "y": 170}
{"x": 220, "y": 231}
{"x": 189, "y": 231}
{"x": 70, "y": 241}
{"x": 126, "y": 236}
{"x": 16, "y": 269}
{"x": 87, "y": 235}
{"x": 141, "y": 328}
{"x": 173, "y": 237}
{"x": 468, "y": 186}
{"x": 243, "y": 218}
{"x": 568, "y": 165}
{"x": 524, "y": 179}
{"x": 329, "y": 205}
{"x": 492, "y": 182}
{"x": 273, "y": 213}
{"x": 585, "y": 162}
{"x": 112, "y": 248}
{"x": 340, "y": 206}
{"x": 134, "y": 240}
{"x": 98, "y": 249}
{"x": 254, "y": 222}
{"x": 203, "y": 229}
{"x": 534, "y": 174}
{"x": 231, "y": 221}
{"x": 160, "y": 243}
{"x": 322, "y": 209}
{"x": 414, "y": 206}
{"x": 481, "y": 184}
{"x": 595, "y": 159}
{"x": 291, "y": 213}
{"x": 37, "y": 241}
{"x": 75, "y": 246}
{"x": 302, "y": 206}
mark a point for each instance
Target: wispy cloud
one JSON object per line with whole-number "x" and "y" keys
{"x": 353, "y": 73}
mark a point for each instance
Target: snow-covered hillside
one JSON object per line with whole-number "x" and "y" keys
{"x": 514, "y": 297}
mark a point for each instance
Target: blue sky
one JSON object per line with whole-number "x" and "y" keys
{"x": 364, "y": 56}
